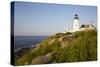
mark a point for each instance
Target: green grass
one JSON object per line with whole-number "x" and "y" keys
{"x": 82, "y": 48}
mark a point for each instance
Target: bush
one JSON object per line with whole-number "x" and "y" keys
{"x": 84, "y": 48}
{"x": 92, "y": 48}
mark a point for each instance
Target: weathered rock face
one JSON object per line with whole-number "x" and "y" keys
{"x": 69, "y": 37}
{"x": 66, "y": 38}
{"x": 21, "y": 52}
{"x": 52, "y": 41}
{"x": 42, "y": 59}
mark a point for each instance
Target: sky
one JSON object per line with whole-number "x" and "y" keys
{"x": 32, "y": 19}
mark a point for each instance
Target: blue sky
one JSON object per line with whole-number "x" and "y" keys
{"x": 47, "y": 19}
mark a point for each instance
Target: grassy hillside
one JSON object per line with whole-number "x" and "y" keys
{"x": 63, "y": 47}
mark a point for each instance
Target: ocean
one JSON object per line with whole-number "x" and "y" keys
{"x": 27, "y": 41}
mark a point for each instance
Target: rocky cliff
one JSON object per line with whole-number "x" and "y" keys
{"x": 60, "y": 48}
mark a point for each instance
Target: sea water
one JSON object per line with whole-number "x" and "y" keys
{"x": 27, "y": 41}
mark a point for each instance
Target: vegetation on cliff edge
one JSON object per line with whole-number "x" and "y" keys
{"x": 63, "y": 47}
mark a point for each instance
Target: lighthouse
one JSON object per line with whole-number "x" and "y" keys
{"x": 75, "y": 23}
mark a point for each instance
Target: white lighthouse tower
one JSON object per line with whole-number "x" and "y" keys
{"x": 75, "y": 23}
